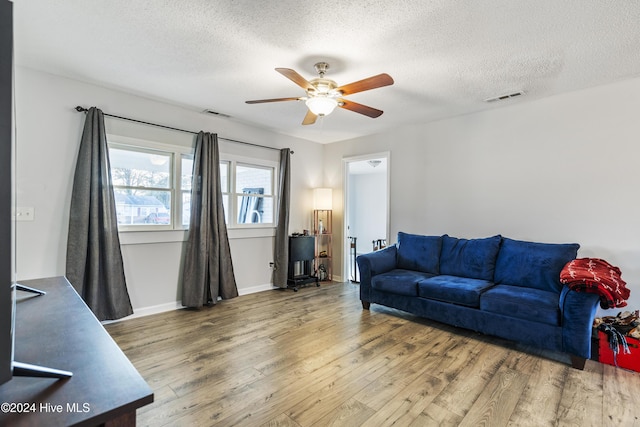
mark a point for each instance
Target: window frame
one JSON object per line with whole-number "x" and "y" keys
{"x": 180, "y": 220}
{"x": 132, "y": 234}
{"x": 232, "y": 213}
{"x": 176, "y": 154}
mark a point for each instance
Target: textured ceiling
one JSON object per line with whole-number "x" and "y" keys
{"x": 445, "y": 56}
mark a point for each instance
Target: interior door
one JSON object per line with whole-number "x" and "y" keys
{"x": 366, "y": 208}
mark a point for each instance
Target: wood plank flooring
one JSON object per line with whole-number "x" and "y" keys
{"x": 315, "y": 358}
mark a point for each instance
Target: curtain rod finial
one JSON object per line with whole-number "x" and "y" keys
{"x": 80, "y": 109}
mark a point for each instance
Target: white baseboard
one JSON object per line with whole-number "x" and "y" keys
{"x": 258, "y": 288}
{"x": 161, "y": 308}
{"x": 147, "y": 311}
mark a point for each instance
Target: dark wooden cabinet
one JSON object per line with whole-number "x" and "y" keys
{"x": 57, "y": 330}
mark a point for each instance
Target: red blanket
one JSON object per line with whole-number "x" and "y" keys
{"x": 596, "y": 276}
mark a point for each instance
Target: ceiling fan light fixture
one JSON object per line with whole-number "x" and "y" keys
{"x": 322, "y": 88}
{"x": 321, "y": 105}
{"x": 324, "y": 95}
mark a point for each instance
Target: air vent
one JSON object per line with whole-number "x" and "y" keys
{"x": 215, "y": 113}
{"x": 504, "y": 97}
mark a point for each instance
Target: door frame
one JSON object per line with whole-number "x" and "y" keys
{"x": 346, "y": 249}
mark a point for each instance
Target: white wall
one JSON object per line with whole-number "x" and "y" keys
{"x": 553, "y": 170}
{"x": 560, "y": 169}
{"x": 48, "y": 134}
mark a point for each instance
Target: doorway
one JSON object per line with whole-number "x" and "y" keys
{"x": 366, "y": 190}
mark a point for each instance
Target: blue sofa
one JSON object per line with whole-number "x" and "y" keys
{"x": 496, "y": 285}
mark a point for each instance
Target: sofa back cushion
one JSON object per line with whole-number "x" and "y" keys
{"x": 419, "y": 253}
{"x": 472, "y": 258}
{"x": 533, "y": 265}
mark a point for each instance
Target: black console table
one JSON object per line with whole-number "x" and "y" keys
{"x": 301, "y": 256}
{"x": 57, "y": 330}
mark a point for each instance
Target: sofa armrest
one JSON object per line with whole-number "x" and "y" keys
{"x": 578, "y": 312}
{"x": 372, "y": 264}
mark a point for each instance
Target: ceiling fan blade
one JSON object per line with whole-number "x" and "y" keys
{"x": 369, "y": 83}
{"x": 260, "y": 101}
{"x": 296, "y": 78}
{"x": 310, "y": 118}
{"x": 359, "y": 108}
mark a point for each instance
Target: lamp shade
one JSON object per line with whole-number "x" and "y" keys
{"x": 321, "y": 105}
{"x": 322, "y": 199}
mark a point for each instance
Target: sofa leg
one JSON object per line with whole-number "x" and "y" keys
{"x": 578, "y": 362}
{"x": 366, "y": 305}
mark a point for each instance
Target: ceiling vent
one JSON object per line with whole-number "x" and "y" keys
{"x": 215, "y": 113}
{"x": 505, "y": 97}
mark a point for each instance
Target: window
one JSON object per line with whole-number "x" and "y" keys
{"x": 148, "y": 193}
{"x": 152, "y": 185}
{"x": 248, "y": 192}
{"x": 186, "y": 180}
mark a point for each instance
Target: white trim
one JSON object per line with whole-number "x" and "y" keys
{"x": 337, "y": 279}
{"x": 147, "y": 311}
{"x": 149, "y": 234}
{"x": 127, "y": 141}
{"x": 234, "y": 161}
{"x": 251, "y": 161}
{"x": 251, "y": 233}
{"x": 256, "y": 289}
{"x": 345, "y": 197}
{"x": 177, "y": 305}
{"x": 176, "y": 153}
{"x": 172, "y": 236}
{"x": 370, "y": 156}
{"x": 152, "y": 236}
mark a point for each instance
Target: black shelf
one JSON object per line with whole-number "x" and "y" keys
{"x": 301, "y": 256}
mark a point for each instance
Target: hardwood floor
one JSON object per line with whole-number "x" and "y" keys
{"x": 315, "y": 358}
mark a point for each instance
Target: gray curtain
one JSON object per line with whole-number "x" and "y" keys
{"x": 208, "y": 270}
{"x": 94, "y": 261}
{"x": 281, "y": 244}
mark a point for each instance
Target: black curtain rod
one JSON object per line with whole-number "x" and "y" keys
{"x": 84, "y": 110}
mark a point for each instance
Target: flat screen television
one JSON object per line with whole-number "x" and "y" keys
{"x": 7, "y": 227}
{"x": 9, "y": 367}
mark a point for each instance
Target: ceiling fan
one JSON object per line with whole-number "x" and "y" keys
{"x": 324, "y": 95}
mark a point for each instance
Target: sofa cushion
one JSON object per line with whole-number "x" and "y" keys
{"x": 419, "y": 253}
{"x": 472, "y": 258}
{"x": 454, "y": 289}
{"x": 533, "y": 265}
{"x": 522, "y": 303}
{"x": 399, "y": 282}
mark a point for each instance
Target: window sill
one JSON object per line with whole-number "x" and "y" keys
{"x": 149, "y": 237}
{"x": 172, "y": 236}
{"x": 251, "y": 233}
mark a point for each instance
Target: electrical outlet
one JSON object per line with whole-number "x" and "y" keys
{"x": 25, "y": 214}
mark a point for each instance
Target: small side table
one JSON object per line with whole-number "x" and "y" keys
{"x": 301, "y": 255}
